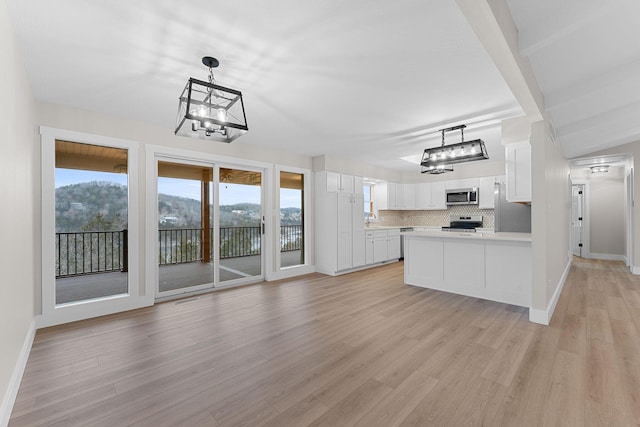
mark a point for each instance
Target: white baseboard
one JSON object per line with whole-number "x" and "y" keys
{"x": 288, "y": 273}
{"x": 543, "y": 317}
{"x": 16, "y": 378}
{"x": 607, "y": 257}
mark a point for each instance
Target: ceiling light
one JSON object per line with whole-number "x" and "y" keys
{"x": 444, "y": 156}
{"x": 600, "y": 168}
{"x": 207, "y": 110}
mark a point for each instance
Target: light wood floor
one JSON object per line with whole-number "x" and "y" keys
{"x": 361, "y": 349}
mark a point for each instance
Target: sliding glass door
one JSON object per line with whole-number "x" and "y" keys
{"x": 185, "y": 233}
{"x": 241, "y": 224}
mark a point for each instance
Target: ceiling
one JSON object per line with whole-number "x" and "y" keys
{"x": 371, "y": 80}
{"x": 586, "y": 58}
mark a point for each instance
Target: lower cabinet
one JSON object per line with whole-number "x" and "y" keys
{"x": 386, "y": 245}
{"x": 368, "y": 247}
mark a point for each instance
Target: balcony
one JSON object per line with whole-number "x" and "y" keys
{"x": 94, "y": 264}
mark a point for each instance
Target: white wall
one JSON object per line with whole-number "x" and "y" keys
{"x": 19, "y": 227}
{"x": 550, "y": 213}
{"x": 632, "y": 149}
{"x": 607, "y": 210}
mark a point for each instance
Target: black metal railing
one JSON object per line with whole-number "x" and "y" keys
{"x": 88, "y": 252}
{"x": 291, "y": 238}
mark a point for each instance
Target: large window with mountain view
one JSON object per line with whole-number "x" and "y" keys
{"x": 91, "y": 222}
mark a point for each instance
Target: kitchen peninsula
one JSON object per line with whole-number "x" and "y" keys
{"x": 492, "y": 266}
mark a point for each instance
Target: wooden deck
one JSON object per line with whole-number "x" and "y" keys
{"x": 361, "y": 349}
{"x": 171, "y": 277}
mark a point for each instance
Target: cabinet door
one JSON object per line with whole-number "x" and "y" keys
{"x": 333, "y": 181}
{"x": 438, "y": 196}
{"x": 393, "y": 245}
{"x": 380, "y": 246}
{"x": 347, "y": 183}
{"x": 518, "y": 165}
{"x": 423, "y": 195}
{"x": 399, "y": 201}
{"x": 409, "y": 196}
{"x": 358, "y": 184}
{"x": 392, "y": 195}
{"x": 486, "y": 189}
{"x": 357, "y": 228}
{"x": 368, "y": 247}
{"x": 382, "y": 195}
{"x": 345, "y": 231}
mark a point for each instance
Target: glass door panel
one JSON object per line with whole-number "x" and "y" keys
{"x": 91, "y": 222}
{"x": 185, "y": 217}
{"x": 241, "y": 224}
{"x": 291, "y": 219}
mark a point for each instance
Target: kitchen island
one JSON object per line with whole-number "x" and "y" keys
{"x": 492, "y": 266}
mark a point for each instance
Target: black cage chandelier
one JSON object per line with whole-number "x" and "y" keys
{"x": 438, "y": 160}
{"x": 207, "y": 110}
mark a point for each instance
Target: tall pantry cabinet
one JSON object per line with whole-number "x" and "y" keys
{"x": 339, "y": 222}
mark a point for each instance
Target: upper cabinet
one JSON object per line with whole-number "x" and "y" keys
{"x": 408, "y": 196}
{"x": 342, "y": 183}
{"x": 518, "y": 168}
{"x": 461, "y": 183}
{"x": 431, "y": 196}
{"x": 486, "y": 190}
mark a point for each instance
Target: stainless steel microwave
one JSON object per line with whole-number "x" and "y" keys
{"x": 462, "y": 196}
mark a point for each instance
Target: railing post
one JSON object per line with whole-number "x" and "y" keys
{"x": 125, "y": 250}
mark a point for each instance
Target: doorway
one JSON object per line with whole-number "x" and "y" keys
{"x": 577, "y": 218}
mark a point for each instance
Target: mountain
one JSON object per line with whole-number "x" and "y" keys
{"x": 102, "y": 206}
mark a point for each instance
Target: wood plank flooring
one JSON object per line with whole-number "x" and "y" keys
{"x": 361, "y": 349}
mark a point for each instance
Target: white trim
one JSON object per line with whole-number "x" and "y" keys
{"x": 608, "y": 257}
{"x": 543, "y": 317}
{"x": 289, "y": 272}
{"x": 635, "y": 270}
{"x": 16, "y": 377}
{"x": 53, "y": 314}
{"x": 276, "y": 272}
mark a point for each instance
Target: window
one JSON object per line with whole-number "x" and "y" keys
{"x": 369, "y": 213}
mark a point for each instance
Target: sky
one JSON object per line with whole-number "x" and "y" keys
{"x": 230, "y": 194}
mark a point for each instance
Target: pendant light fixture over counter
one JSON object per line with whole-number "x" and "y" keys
{"x": 207, "y": 110}
{"x": 439, "y": 159}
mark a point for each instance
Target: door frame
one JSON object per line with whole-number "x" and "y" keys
{"x": 277, "y": 272}
{"x": 586, "y": 236}
{"x": 136, "y": 297}
{"x": 151, "y": 215}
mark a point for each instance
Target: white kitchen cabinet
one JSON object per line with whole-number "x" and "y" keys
{"x": 339, "y": 225}
{"x": 408, "y": 196}
{"x": 518, "y": 168}
{"x": 431, "y": 196}
{"x": 393, "y": 244}
{"x": 486, "y": 189}
{"x": 456, "y": 184}
{"x": 380, "y": 246}
{"x": 438, "y": 196}
{"x": 340, "y": 183}
{"x": 368, "y": 247}
{"x": 389, "y": 196}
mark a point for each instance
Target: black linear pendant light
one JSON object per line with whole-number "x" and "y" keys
{"x": 439, "y": 159}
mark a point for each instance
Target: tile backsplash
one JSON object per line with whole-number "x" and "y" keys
{"x": 433, "y": 218}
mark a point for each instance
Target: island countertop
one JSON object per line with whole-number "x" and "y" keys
{"x": 480, "y": 235}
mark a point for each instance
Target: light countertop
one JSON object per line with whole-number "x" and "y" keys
{"x": 480, "y": 235}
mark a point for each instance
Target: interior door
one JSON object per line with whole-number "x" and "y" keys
{"x": 577, "y": 211}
